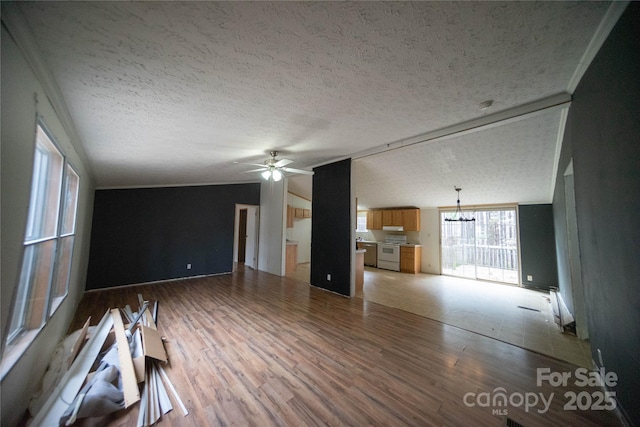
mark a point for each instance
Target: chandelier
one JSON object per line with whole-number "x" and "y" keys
{"x": 459, "y": 216}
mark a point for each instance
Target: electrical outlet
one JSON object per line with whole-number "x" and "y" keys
{"x": 189, "y": 266}
{"x": 530, "y": 277}
{"x": 329, "y": 277}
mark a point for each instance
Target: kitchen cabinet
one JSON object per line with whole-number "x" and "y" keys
{"x": 290, "y": 215}
{"x": 302, "y": 213}
{"x": 359, "y": 270}
{"x": 291, "y": 261}
{"x": 411, "y": 219}
{"x": 374, "y": 220}
{"x": 392, "y": 217}
{"x": 411, "y": 259}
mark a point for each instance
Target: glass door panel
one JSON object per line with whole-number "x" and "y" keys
{"x": 458, "y": 248}
{"x": 485, "y": 249}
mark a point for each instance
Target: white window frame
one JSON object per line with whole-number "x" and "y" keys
{"x": 22, "y": 317}
{"x": 361, "y": 222}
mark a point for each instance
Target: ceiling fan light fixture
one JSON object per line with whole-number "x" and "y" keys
{"x": 275, "y": 170}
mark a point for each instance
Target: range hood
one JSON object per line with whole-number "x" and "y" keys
{"x": 393, "y": 228}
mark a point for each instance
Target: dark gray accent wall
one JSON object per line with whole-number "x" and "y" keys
{"x": 537, "y": 246}
{"x": 604, "y": 141}
{"x": 150, "y": 234}
{"x": 331, "y": 227}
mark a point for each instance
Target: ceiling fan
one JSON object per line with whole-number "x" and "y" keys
{"x": 273, "y": 168}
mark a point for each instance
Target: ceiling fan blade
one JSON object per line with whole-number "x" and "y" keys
{"x": 250, "y": 164}
{"x": 256, "y": 170}
{"x": 283, "y": 162}
{"x": 300, "y": 171}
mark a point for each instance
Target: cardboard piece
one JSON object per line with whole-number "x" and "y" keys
{"x": 152, "y": 346}
{"x": 79, "y": 342}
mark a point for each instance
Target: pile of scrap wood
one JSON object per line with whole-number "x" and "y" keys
{"x": 117, "y": 367}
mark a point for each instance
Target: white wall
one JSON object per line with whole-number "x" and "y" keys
{"x": 272, "y": 240}
{"x": 429, "y": 236}
{"x": 301, "y": 231}
{"x": 19, "y": 111}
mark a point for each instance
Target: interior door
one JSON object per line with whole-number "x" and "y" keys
{"x": 251, "y": 242}
{"x": 242, "y": 235}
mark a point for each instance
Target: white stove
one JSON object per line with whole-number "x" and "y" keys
{"x": 389, "y": 251}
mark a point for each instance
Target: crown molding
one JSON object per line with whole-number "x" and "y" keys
{"x": 18, "y": 27}
{"x": 616, "y": 8}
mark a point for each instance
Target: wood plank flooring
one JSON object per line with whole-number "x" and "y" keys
{"x": 250, "y": 348}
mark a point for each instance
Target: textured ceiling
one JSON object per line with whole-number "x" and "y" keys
{"x": 171, "y": 93}
{"x": 485, "y": 164}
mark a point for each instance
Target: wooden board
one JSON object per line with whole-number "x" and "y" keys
{"x": 129, "y": 381}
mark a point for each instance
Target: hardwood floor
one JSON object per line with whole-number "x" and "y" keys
{"x": 512, "y": 314}
{"x": 251, "y": 348}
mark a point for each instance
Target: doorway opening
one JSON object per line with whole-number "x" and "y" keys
{"x": 484, "y": 249}
{"x": 245, "y": 247}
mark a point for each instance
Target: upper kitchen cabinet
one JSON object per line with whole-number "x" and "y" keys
{"x": 374, "y": 220}
{"x": 392, "y": 217}
{"x": 290, "y": 215}
{"x": 411, "y": 219}
{"x": 408, "y": 218}
{"x": 303, "y": 213}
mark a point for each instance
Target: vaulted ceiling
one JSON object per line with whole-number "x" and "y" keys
{"x": 173, "y": 93}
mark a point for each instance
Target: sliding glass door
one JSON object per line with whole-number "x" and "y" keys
{"x": 485, "y": 249}
{"x": 458, "y": 248}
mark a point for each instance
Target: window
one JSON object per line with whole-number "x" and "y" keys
{"x": 362, "y": 222}
{"x": 49, "y": 237}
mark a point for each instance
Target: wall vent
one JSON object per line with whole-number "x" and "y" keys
{"x": 511, "y": 423}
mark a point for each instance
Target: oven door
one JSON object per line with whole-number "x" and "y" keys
{"x": 389, "y": 256}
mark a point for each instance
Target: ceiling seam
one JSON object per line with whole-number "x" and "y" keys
{"x": 562, "y": 100}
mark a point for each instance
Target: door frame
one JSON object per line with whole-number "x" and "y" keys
{"x": 251, "y": 210}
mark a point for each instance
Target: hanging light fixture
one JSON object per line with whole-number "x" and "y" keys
{"x": 459, "y": 216}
